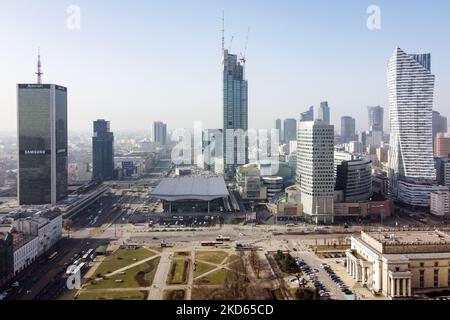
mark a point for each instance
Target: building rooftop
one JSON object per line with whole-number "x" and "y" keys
{"x": 191, "y": 188}
{"x": 411, "y": 237}
{"x": 21, "y": 239}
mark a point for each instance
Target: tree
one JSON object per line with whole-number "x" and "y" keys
{"x": 67, "y": 224}
{"x": 255, "y": 262}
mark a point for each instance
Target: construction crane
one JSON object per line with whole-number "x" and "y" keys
{"x": 243, "y": 58}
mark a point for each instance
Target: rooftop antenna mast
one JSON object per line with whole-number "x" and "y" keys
{"x": 243, "y": 55}
{"x": 223, "y": 30}
{"x": 39, "y": 71}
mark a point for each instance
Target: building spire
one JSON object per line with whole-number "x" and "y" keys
{"x": 223, "y": 30}
{"x": 39, "y": 71}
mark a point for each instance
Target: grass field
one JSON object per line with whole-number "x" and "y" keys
{"x": 202, "y": 268}
{"x": 211, "y": 256}
{"x": 233, "y": 258}
{"x": 178, "y": 272}
{"x": 182, "y": 254}
{"x": 122, "y": 258}
{"x": 215, "y": 278}
{"x": 139, "y": 276}
{"x": 113, "y": 295}
{"x": 174, "y": 295}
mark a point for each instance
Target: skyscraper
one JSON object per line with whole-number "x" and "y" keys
{"x": 290, "y": 130}
{"x": 235, "y": 113}
{"x": 307, "y": 115}
{"x": 376, "y": 118}
{"x": 160, "y": 133}
{"x": 278, "y": 126}
{"x": 348, "y": 132}
{"x": 102, "y": 151}
{"x": 410, "y": 86}
{"x": 315, "y": 170}
{"x": 439, "y": 124}
{"x": 42, "y": 142}
{"x": 324, "y": 112}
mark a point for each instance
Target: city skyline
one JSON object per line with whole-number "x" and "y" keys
{"x": 123, "y": 77}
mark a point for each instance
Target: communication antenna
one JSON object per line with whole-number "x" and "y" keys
{"x": 223, "y": 30}
{"x": 39, "y": 71}
{"x": 231, "y": 43}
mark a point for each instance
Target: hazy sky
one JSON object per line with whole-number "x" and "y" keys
{"x": 134, "y": 62}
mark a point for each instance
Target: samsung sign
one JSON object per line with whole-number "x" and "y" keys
{"x": 34, "y": 152}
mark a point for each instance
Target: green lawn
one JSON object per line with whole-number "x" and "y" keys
{"x": 113, "y": 295}
{"x": 233, "y": 258}
{"x": 216, "y": 278}
{"x": 201, "y": 268}
{"x": 211, "y": 256}
{"x": 178, "y": 272}
{"x": 139, "y": 276}
{"x": 174, "y": 295}
{"x": 122, "y": 258}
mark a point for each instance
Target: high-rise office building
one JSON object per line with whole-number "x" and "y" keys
{"x": 160, "y": 133}
{"x": 324, "y": 112}
{"x": 442, "y": 145}
{"x": 307, "y": 115}
{"x": 376, "y": 118}
{"x": 439, "y": 124}
{"x": 315, "y": 170}
{"x": 235, "y": 113}
{"x": 290, "y": 130}
{"x": 42, "y": 142}
{"x": 278, "y": 126}
{"x": 354, "y": 179}
{"x": 443, "y": 171}
{"x": 348, "y": 130}
{"x": 411, "y": 87}
{"x": 102, "y": 151}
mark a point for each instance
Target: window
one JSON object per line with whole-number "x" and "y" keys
{"x": 421, "y": 278}
{"x": 422, "y": 264}
{"x": 436, "y": 278}
{"x": 397, "y": 269}
{"x": 436, "y": 264}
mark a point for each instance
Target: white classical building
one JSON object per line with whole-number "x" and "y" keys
{"x": 315, "y": 170}
{"x": 25, "y": 249}
{"x": 411, "y": 89}
{"x": 400, "y": 264}
{"x": 47, "y": 226}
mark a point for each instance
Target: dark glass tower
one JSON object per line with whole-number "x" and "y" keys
{"x": 102, "y": 151}
{"x": 42, "y": 141}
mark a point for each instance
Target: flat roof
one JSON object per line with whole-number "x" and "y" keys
{"x": 191, "y": 188}
{"x": 410, "y": 237}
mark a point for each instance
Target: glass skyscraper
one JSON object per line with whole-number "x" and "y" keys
{"x": 376, "y": 118}
{"x": 324, "y": 112}
{"x": 42, "y": 143}
{"x": 102, "y": 151}
{"x": 160, "y": 133}
{"x": 348, "y": 130}
{"x": 235, "y": 113}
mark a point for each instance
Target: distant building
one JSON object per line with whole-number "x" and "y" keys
{"x": 376, "y": 119}
{"x": 443, "y": 171}
{"x": 278, "y": 126}
{"x": 354, "y": 178}
{"x": 400, "y": 264}
{"x": 248, "y": 179}
{"x": 315, "y": 170}
{"x": 440, "y": 203}
{"x": 442, "y": 145}
{"x": 439, "y": 124}
{"x": 290, "y": 130}
{"x": 102, "y": 151}
{"x": 307, "y": 115}
{"x": 160, "y": 133}
{"x": 348, "y": 132}
{"x": 323, "y": 113}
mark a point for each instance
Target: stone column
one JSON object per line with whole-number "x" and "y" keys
{"x": 397, "y": 287}
{"x": 409, "y": 287}
{"x": 392, "y": 288}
